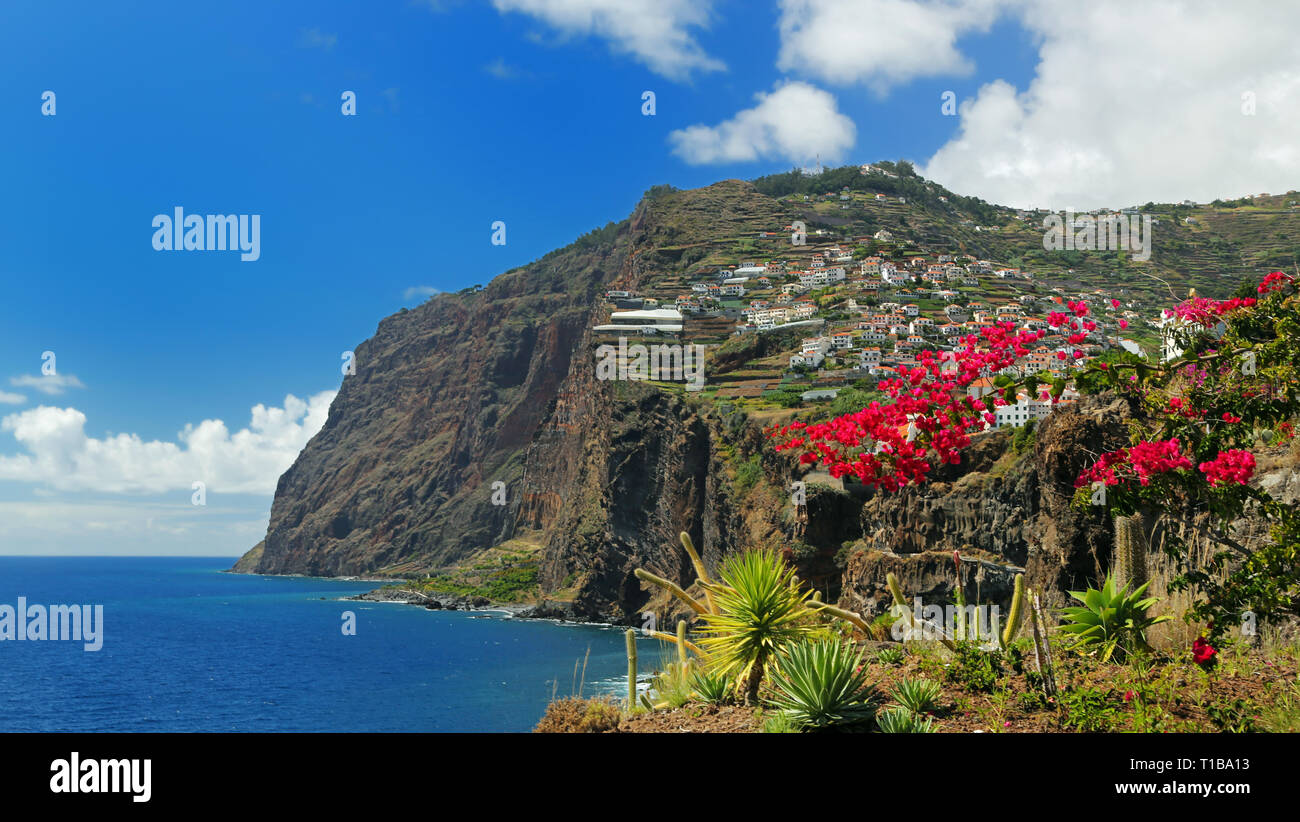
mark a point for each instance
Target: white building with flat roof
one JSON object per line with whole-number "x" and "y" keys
{"x": 645, "y": 321}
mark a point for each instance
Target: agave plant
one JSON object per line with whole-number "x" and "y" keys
{"x": 916, "y": 695}
{"x": 820, "y": 685}
{"x": 760, "y": 608}
{"x": 1113, "y": 622}
{"x": 903, "y": 721}
{"x": 711, "y": 687}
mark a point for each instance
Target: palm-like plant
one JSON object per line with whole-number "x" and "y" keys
{"x": 759, "y": 608}
{"x": 1111, "y": 621}
{"x": 820, "y": 685}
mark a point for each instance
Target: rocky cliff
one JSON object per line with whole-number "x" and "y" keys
{"x": 477, "y": 419}
{"x": 499, "y": 386}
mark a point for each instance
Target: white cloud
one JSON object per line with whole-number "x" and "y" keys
{"x": 59, "y": 454}
{"x": 879, "y": 42}
{"x": 10, "y": 398}
{"x": 655, "y": 32}
{"x": 420, "y": 291}
{"x": 502, "y": 70}
{"x": 1134, "y": 102}
{"x": 130, "y": 528}
{"x": 795, "y": 122}
{"x": 51, "y": 384}
{"x": 315, "y": 38}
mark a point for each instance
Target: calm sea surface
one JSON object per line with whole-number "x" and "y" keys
{"x": 188, "y": 648}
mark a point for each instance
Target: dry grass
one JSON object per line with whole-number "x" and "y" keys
{"x": 574, "y": 715}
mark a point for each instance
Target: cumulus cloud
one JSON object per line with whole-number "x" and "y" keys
{"x": 134, "y": 527}
{"x": 1135, "y": 102}
{"x": 51, "y": 384}
{"x": 655, "y": 32}
{"x": 420, "y": 291}
{"x": 879, "y": 42}
{"x": 1130, "y": 102}
{"x": 795, "y": 122}
{"x": 61, "y": 455}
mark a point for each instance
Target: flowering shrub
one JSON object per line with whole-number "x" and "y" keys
{"x": 1198, "y": 417}
{"x": 1229, "y": 467}
{"x": 1203, "y": 653}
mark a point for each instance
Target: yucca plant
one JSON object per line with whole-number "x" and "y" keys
{"x": 1112, "y": 622}
{"x": 820, "y": 685}
{"x": 916, "y": 695}
{"x": 760, "y": 608}
{"x": 711, "y": 687}
{"x": 903, "y": 721}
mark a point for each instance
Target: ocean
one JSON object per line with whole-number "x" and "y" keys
{"x": 188, "y": 648}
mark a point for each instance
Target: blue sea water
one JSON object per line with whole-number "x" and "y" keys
{"x": 188, "y": 648}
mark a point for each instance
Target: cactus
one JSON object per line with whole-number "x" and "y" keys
{"x": 695, "y": 649}
{"x": 700, "y": 570}
{"x": 1130, "y": 561}
{"x": 961, "y": 602}
{"x": 681, "y": 645}
{"x": 631, "y": 668}
{"x": 1042, "y": 650}
{"x": 1017, "y": 612}
{"x": 899, "y": 599}
{"x": 839, "y": 613}
{"x": 672, "y": 588}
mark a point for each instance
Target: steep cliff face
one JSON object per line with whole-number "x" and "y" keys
{"x": 500, "y": 386}
{"x": 445, "y": 401}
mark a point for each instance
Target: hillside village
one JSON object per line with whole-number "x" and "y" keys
{"x": 802, "y": 292}
{"x": 857, "y": 314}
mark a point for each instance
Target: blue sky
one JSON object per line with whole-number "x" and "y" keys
{"x": 525, "y": 111}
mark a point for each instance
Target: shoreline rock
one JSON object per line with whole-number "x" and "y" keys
{"x": 546, "y": 609}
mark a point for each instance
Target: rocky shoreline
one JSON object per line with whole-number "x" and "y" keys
{"x": 545, "y": 609}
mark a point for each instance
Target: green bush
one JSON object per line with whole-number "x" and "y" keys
{"x": 1088, "y": 709}
{"x": 973, "y": 668}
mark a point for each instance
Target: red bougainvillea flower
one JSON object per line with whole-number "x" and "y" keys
{"x": 1123, "y": 323}
{"x": 1273, "y": 282}
{"x": 1114, "y": 303}
{"x": 1234, "y": 467}
{"x": 1128, "y": 696}
{"x": 1141, "y": 462}
{"x": 1228, "y": 416}
{"x": 1203, "y": 653}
